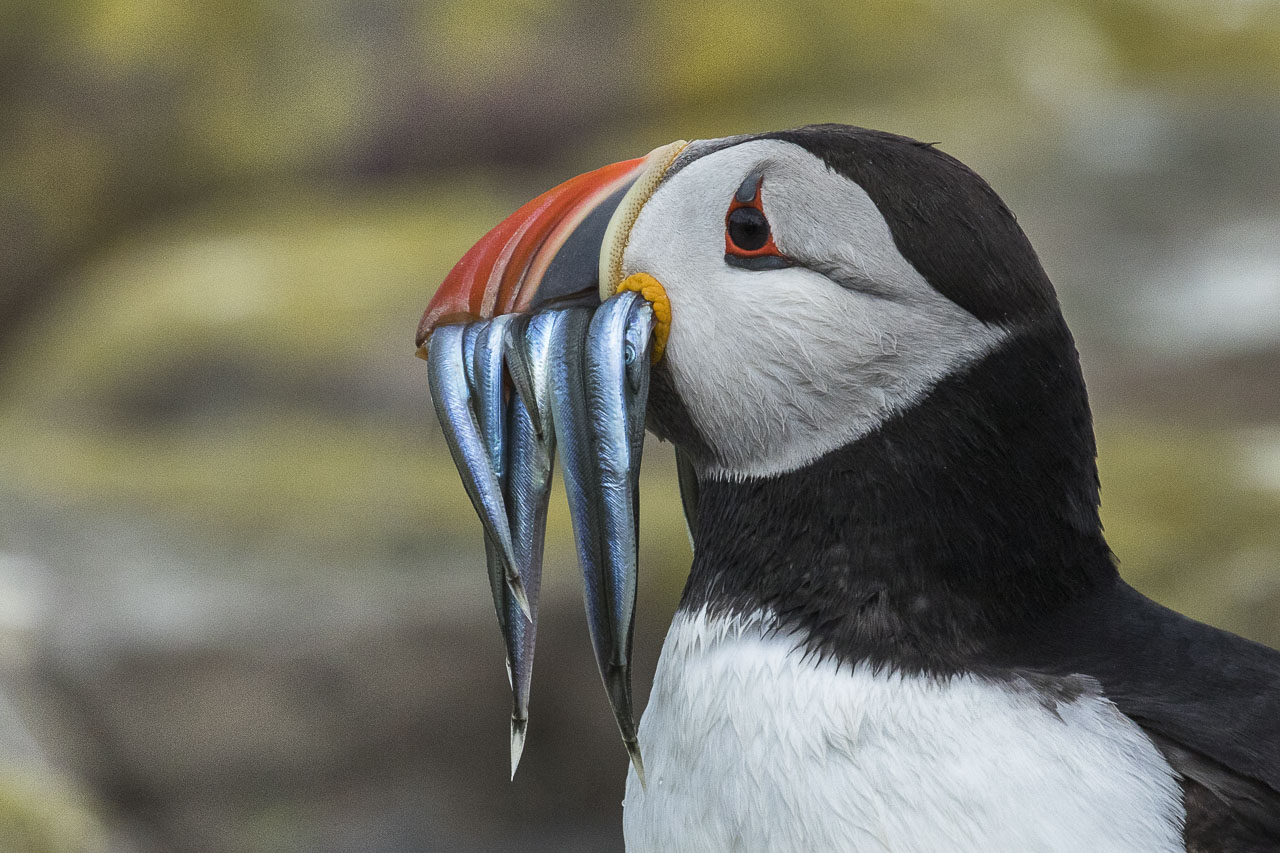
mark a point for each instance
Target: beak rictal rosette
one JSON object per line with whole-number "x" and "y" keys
{"x": 560, "y": 370}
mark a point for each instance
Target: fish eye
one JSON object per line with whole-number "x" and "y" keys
{"x": 635, "y": 358}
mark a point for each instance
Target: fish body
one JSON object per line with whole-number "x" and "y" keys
{"x": 615, "y": 359}
{"x": 452, "y": 381}
{"x": 529, "y": 467}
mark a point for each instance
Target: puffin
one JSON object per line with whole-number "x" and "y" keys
{"x": 903, "y": 629}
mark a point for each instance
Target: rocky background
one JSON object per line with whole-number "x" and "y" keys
{"x": 242, "y": 597}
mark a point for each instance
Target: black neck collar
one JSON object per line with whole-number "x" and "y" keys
{"x": 969, "y": 514}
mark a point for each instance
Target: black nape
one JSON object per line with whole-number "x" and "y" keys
{"x": 945, "y": 219}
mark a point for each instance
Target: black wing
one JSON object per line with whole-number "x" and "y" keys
{"x": 1209, "y": 700}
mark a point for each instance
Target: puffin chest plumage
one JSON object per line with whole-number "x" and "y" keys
{"x": 753, "y": 745}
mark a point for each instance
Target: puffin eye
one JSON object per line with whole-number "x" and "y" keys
{"x": 748, "y": 229}
{"x": 748, "y": 237}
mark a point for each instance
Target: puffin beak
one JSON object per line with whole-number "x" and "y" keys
{"x": 534, "y": 342}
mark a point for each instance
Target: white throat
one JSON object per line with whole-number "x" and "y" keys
{"x": 750, "y": 745}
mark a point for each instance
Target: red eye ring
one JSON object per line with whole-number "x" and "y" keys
{"x": 731, "y": 248}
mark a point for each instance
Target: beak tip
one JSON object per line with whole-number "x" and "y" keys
{"x": 424, "y": 329}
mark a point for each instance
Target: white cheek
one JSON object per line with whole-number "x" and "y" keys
{"x": 778, "y": 367}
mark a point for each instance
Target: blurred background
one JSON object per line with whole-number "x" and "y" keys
{"x": 242, "y": 597}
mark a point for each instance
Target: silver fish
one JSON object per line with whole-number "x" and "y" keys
{"x": 490, "y": 342}
{"x": 579, "y": 383}
{"x": 486, "y": 351}
{"x": 575, "y": 437}
{"x": 531, "y": 452}
{"x": 519, "y": 368}
{"x": 490, "y": 424}
{"x": 451, "y": 396}
{"x": 535, "y": 356}
{"x": 638, "y": 357}
{"x": 470, "y": 335}
{"x": 616, "y": 365}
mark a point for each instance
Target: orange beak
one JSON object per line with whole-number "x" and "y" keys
{"x": 546, "y": 251}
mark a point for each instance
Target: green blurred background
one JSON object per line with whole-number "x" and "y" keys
{"x": 242, "y": 602}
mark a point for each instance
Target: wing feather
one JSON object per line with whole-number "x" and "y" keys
{"x": 1210, "y": 700}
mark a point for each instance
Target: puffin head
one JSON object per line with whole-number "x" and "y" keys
{"x": 851, "y": 340}
{"x": 821, "y": 280}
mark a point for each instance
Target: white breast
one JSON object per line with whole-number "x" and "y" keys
{"x": 749, "y": 745}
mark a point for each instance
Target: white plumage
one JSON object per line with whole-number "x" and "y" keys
{"x": 751, "y": 745}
